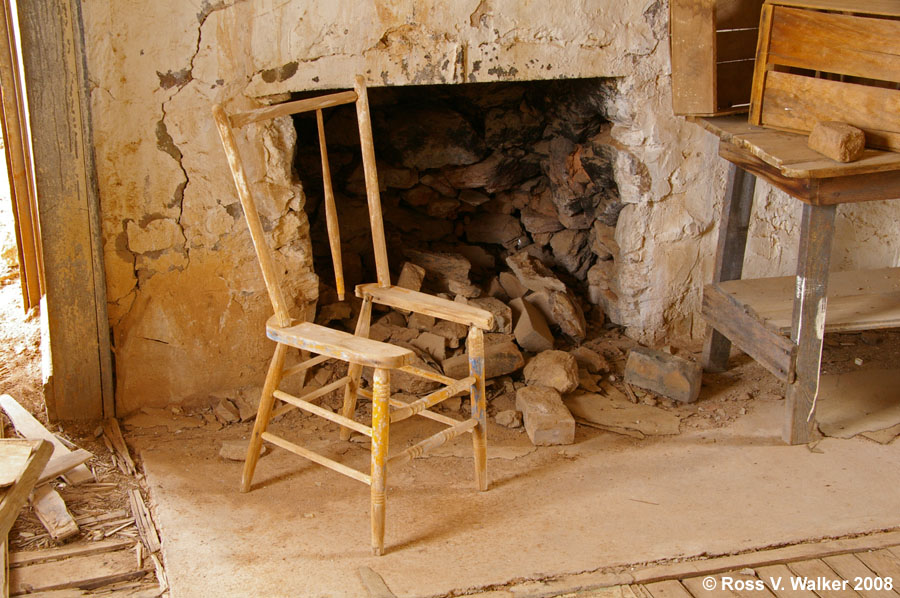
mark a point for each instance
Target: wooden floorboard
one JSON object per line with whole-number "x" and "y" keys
{"x": 860, "y": 574}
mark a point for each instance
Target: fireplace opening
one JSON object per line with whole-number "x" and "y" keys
{"x": 471, "y": 175}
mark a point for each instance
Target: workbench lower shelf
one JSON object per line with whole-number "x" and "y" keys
{"x": 755, "y": 314}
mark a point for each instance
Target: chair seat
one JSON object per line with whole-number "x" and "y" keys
{"x": 340, "y": 345}
{"x": 422, "y": 303}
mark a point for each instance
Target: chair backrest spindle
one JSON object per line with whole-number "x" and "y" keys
{"x": 263, "y": 253}
{"x": 374, "y": 199}
{"x": 331, "y": 219}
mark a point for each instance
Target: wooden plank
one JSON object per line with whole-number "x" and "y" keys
{"x": 31, "y": 557}
{"x": 730, "y": 247}
{"x": 53, "y": 514}
{"x": 12, "y": 498}
{"x": 836, "y": 43}
{"x": 883, "y": 562}
{"x": 743, "y": 327}
{"x": 29, "y": 427}
{"x": 80, "y": 386}
{"x": 241, "y": 119}
{"x": 789, "y": 152}
{"x": 697, "y": 588}
{"x": 755, "y": 559}
{"x": 815, "y": 568}
{"x": 818, "y": 191}
{"x": 857, "y": 300}
{"x": 144, "y": 521}
{"x": 778, "y": 579}
{"x": 886, "y": 8}
{"x": 341, "y": 345}
{"x": 85, "y": 572}
{"x": 62, "y": 464}
{"x": 849, "y": 567}
{"x": 13, "y": 458}
{"x": 808, "y": 320}
{"x": 693, "y": 56}
{"x": 796, "y": 103}
{"x": 667, "y": 589}
{"x": 316, "y": 458}
{"x": 423, "y": 303}
{"x": 760, "y": 72}
{"x": 374, "y": 584}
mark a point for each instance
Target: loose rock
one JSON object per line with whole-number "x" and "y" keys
{"x": 500, "y": 359}
{"x": 664, "y": 374}
{"x": 531, "y": 330}
{"x": 509, "y": 418}
{"x": 554, "y": 369}
{"x": 547, "y": 420}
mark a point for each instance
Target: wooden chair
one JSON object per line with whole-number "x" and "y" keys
{"x": 355, "y": 349}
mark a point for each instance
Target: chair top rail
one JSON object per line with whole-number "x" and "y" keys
{"x": 241, "y": 119}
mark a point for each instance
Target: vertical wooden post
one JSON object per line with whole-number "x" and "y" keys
{"x": 273, "y": 378}
{"x": 475, "y": 350}
{"x": 730, "y": 250}
{"x": 808, "y": 325}
{"x": 19, "y": 164}
{"x": 367, "y": 144}
{"x": 80, "y": 384}
{"x": 354, "y": 369}
{"x": 381, "y": 418}
{"x": 331, "y": 219}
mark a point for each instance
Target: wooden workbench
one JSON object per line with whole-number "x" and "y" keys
{"x": 781, "y": 322}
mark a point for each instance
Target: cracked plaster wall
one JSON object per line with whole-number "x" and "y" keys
{"x": 187, "y": 302}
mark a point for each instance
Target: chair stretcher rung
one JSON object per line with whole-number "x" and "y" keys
{"x": 308, "y": 397}
{"x": 296, "y": 107}
{"x": 432, "y": 399}
{"x": 324, "y": 413}
{"x": 411, "y": 369}
{"x": 296, "y": 369}
{"x": 433, "y": 442}
{"x": 447, "y": 421}
{"x": 317, "y": 458}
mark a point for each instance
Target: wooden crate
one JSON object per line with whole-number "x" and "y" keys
{"x": 713, "y": 44}
{"x": 823, "y": 60}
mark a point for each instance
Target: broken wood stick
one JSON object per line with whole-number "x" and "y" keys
{"x": 32, "y": 557}
{"x": 144, "y": 522}
{"x": 29, "y": 427}
{"x": 59, "y": 465}
{"x": 53, "y": 514}
{"x": 113, "y": 433}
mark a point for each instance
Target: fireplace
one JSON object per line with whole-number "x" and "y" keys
{"x": 469, "y": 175}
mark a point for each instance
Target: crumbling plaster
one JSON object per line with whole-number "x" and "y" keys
{"x": 186, "y": 300}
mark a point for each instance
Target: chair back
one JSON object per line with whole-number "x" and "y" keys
{"x": 227, "y": 123}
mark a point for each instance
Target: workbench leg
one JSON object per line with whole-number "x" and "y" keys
{"x": 730, "y": 254}
{"x": 808, "y": 324}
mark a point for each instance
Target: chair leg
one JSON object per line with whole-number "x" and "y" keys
{"x": 380, "y": 432}
{"x": 475, "y": 350}
{"x": 273, "y": 378}
{"x": 354, "y": 370}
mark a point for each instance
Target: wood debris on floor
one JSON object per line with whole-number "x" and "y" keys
{"x": 87, "y": 530}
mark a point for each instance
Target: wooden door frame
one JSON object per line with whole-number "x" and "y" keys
{"x": 79, "y": 383}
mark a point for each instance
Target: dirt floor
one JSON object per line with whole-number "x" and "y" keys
{"x": 725, "y": 483}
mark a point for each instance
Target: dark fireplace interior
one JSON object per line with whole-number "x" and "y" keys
{"x": 470, "y": 174}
